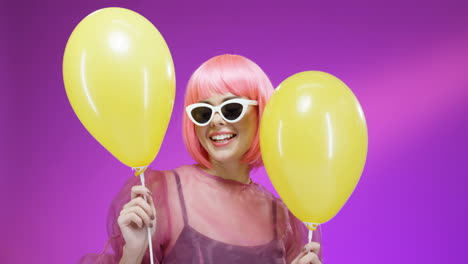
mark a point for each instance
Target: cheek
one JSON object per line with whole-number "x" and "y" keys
{"x": 199, "y": 131}
{"x": 253, "y": 131}
{"x": 250, "y": 126}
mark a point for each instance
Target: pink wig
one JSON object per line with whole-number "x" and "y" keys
{"x": 220, "y": 75}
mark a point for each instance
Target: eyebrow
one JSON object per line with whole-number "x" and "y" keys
{"x": 224, "y": 100}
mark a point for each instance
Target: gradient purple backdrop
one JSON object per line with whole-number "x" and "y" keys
{"x": 405, "y": 61}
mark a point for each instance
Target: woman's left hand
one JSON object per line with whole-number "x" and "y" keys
{"x": 308, "y": 255}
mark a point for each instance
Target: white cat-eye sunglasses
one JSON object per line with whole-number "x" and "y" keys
{"x": 231, "y": 111}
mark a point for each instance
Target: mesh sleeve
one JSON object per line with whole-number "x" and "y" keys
{"x": 112, "y": 251}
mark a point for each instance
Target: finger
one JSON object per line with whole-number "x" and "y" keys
{"x": 127, "y": 219}
{"x": 140, "y": 212}
{"x": 140, "y": 190}
{"x": 149, "y": 200}
{"x": 153, "y": 209}
{"x": 309, "y": 247}
{"x": 312, "y": 247}
{"x": 139, "y": 202}
{"x": 301, "y": 254}
{"x": 310, "y": 258}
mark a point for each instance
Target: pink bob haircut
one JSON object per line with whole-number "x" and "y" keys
{"x": 220, "y": 75}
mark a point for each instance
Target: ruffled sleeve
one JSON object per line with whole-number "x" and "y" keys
{"x": 112, "y": 251}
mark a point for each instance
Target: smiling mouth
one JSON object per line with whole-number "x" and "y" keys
{"x": 222, "y": 138}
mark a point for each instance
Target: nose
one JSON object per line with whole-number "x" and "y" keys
{"x": 217, "y": 120}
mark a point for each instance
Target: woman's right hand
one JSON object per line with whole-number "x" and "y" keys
{"x": 134, "y": 219}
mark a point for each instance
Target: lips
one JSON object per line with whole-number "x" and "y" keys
{"x": 221, "y": 134}
{"x": 220, "y": 139}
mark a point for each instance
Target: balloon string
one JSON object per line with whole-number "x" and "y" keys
{"x": 141, "y": 171}
{"x": 312, "y": 227}
{"x": 311, "y": 235}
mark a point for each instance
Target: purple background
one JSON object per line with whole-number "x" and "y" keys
{"x": 405, "y": 61}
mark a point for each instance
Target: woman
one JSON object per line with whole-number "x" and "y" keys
{"x": 211, "y": 212}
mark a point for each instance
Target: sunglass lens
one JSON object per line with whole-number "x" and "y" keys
{"x": 201, "y": 114}
{"x": 232, "y": 111}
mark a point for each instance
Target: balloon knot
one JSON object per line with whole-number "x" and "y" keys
{"x": 139, "y": 170}
{"x": 311, "y": 226}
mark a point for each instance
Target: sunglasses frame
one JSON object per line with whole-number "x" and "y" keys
{"x": 217, "y": 109}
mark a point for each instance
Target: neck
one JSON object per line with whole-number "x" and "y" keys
{"x": 231, "y": 170}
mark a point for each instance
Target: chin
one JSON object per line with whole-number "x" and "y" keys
{"x": 223, "y": 158}
{"x": 225, "y": 155}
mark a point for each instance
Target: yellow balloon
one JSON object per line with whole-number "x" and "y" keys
{"x": 119, "y": 78}
{"x": 313, "y": 139}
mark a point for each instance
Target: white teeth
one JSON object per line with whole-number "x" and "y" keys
{"x": 222, "y": 137}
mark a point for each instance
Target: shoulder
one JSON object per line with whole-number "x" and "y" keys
{"x": 157, "y": 178}
{"x": 269, "y": 195}
{"x": 186, "y": 169}
{"x": 266, "y": 193}
{"x": 284, "y": 215}
{"x": 166, "y": 177}
{"x": 151, "y": 174}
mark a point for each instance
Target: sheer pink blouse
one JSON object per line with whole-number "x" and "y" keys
{"x": 203, "y": 218}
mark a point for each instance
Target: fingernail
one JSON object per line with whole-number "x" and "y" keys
{"x": 152, "y": 217}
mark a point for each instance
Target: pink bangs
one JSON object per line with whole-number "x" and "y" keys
{"x": 220, "y": 75}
